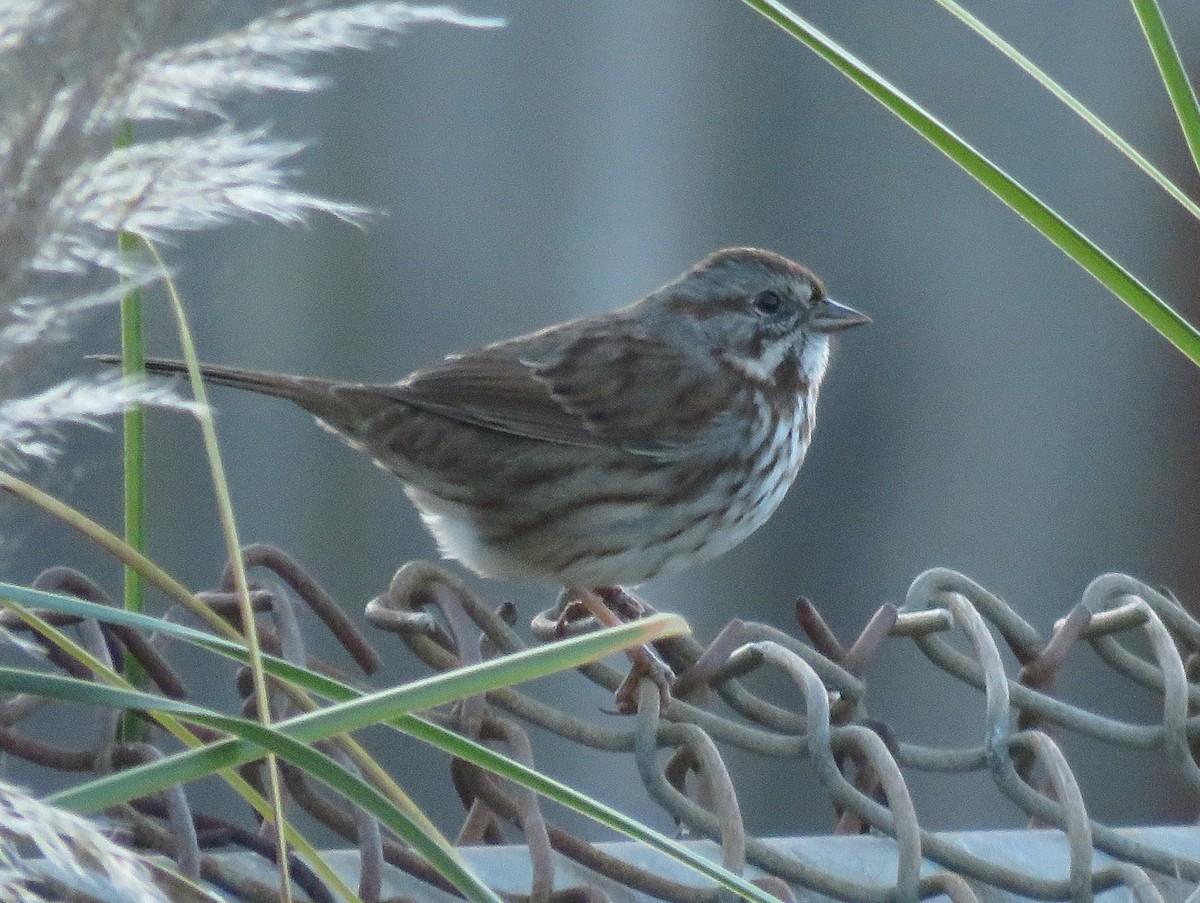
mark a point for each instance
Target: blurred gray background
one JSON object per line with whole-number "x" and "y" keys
{"x": 1004, "y": 415}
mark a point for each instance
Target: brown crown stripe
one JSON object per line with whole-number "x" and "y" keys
{"x": 767, "y": 260}
{"x": 707, "y": 309}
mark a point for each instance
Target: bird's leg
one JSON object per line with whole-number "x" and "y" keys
{"x": 645, "y": 662}
{"x": 569, "y": 609}
{"x": 625, "y": 604}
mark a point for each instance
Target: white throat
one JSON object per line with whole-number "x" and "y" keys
{"x": 761, "y": 368}
{"x": 814, "y": 358}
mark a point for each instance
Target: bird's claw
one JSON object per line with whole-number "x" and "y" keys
{"x": 645, "y": 665}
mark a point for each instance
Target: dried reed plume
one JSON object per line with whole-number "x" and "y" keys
{"x": 70, "y": 851}
{"x": 75, "y": 72}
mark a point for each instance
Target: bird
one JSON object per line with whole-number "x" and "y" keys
{"x": 606, "y": 450}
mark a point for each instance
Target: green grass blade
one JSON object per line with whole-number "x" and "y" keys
{"x": 133, "y": 365}
{"x": 460, "y": 747}
{"x": 156, "y": 576}
{"x": 205, "y": 762}
{"x": 233, "y": 546}
{"x": 1066, "y": 237}
{"x": 1166, "y": 57}
{"x": 254, "y": 741}
{"x": 172, "y": 725}
{"x": 39, "y": 599}
{"x": 1074, "y": 104}
{"x": 355, "y": 712}
{"x": 422, "y": 694}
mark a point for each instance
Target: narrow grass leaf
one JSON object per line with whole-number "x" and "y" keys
{"x": 172, "y": 725}
{"x": 254, "y": 740}
{"x": 229, "y": 753}
{"x": 1074, "y": 104}
{"x": 223, "y": 754}
{"x": 157, "y": 577}
{"x": 1173, "y": 327}
{"x": 233, "y": 548}
{"x": 460, "y": 747}
{"x": 422, "y": 694}
{"x": 1174, "y": 76}
{"x": 133, "y": 365}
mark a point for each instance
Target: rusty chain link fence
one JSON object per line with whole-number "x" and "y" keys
{"x": 959, "y": 626}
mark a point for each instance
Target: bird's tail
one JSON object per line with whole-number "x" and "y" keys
{"x": 315, "y": 395}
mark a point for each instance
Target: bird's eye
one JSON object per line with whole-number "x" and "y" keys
{"x": 768, "y": 302}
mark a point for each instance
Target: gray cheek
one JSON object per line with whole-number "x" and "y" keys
{"x": 723, "y": 333}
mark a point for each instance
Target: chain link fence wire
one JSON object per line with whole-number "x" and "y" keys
{"x": 960, "y": 627}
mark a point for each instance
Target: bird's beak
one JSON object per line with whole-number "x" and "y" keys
{"x": 827, "y": 315}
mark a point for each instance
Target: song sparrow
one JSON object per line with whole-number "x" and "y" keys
{"x": 606, "y": 450}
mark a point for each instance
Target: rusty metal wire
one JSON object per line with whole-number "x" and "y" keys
{"x": 677, "y": 747}
{"x": 829, "y": 727}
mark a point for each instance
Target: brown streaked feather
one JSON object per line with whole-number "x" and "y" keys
{"x": 313, "y": 394}
{"x": 588, "y": 391}
{"x": 492, "y": 392}
{"x": 644, "y": 393}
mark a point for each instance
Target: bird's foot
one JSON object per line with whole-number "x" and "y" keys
{"x": 644, "y": 665}
{"x": 621, "y": 604}
{"x": 569, "y": 612}
{"x": 600, "y": 603}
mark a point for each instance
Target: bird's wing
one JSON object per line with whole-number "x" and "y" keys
{"x": 591, "y": 389}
